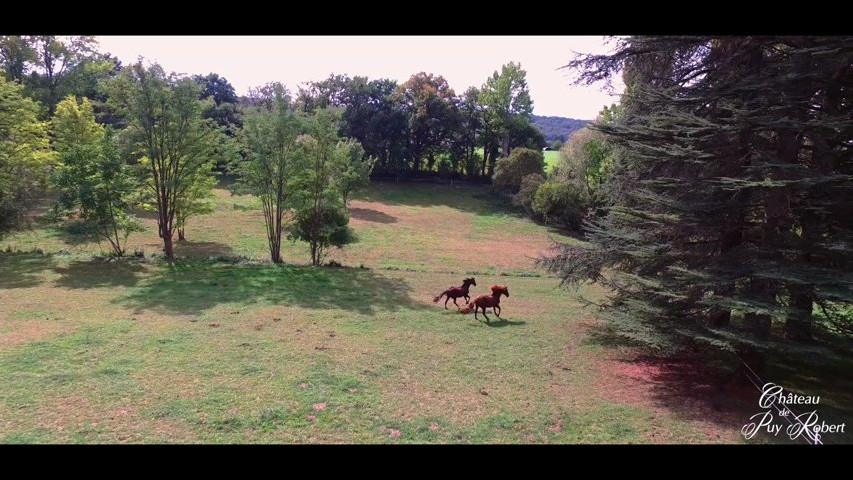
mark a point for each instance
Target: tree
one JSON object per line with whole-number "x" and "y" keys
{"x": 355, "y": 167}
{"x": 320, "y": 215}
{"x": 507, "y": 101}
{"x": 55, "y": 59}
{"x": 322, "y": 227}
{"x": 735, "y": 154}
{"x": 92, "y": 177}
{"x": 196, "y": 199}
{"x": 16, "y": 56}
{"x": 561, "y": 204}
{"x": 166, "y": 127}
{"x": 273, "y": 156}
{"x": 586, "y": 160}
{"x": 527, "y": 193}
{"x": 223, "y": 110}
{"x": 25, "y": 156}
{"x": 520, "y": 163}
{"x": 429, "y": 105}
{"x": 464, "y": 141}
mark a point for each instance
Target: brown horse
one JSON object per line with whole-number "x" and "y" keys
{"x": 485, "y": 301}
{"x": 456, "y": 292}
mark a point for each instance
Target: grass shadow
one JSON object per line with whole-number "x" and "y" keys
{"x": 702, "y": 384}
{"x": 690, "y": 387}
{"x": 370, "y": 215}
{"x": 203, "y": 249}
{"x": 99, "y": 274}
{"x": 192, "y": 287}
{"x": 500, "y": 323}
{"x": 22, "y": 270}
{"x": 469, "y": 198}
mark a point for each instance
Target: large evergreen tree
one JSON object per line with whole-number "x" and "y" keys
{"x": 734, "y": 189}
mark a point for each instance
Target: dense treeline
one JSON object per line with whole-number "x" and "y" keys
{"x": 729, "y": 196}
{"x": 112, "y": 139}
{"x": 557, "y": 128}
{"x": 422, "y": 127}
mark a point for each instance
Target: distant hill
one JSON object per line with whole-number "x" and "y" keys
{"x": 558, "y": 128}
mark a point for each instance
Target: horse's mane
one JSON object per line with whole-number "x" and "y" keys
{"x": 500, "y": 288}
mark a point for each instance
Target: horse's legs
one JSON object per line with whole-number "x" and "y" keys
{"x": 467, "y": 299}
{"x": 454, "y": 302}
{"x": 445, "y": 302}
{"x": 497, "y": 310}
{"x": 476, "y": 308}
{"x": 484, "y": 314}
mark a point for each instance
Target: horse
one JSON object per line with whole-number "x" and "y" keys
{"x": 456, "y": 292}
{"x": 485, "y": 301}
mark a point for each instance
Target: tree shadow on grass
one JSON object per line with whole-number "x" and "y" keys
{"x": 692, "y": 386}
{"x": 370, "y": 215}
{"x": 705, "y": 384}
{"x": 99, "y": 274}
{"x": 192, "y": 287}
{"x": 22, "y": 270}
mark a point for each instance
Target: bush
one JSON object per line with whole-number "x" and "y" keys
{"x": 527, "y": 192}
{"x": 561, "y": 204}
{"x": 521, "y": 162}
{"x": 322, "y": 228}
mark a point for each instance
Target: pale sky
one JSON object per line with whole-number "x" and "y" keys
{"x": 250, "y": 61}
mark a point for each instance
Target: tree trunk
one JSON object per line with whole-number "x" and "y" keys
{"x": 754, "y": 367}
{"x": 167, "y": 246}
{"x": 798, "y": 325}
{"x": 758, "y": 324}
{"x": 416, "y": 162}
{"x": 506, "y": 146}
{"x": 181, "y": 236}
{"x": 721, "y": 318}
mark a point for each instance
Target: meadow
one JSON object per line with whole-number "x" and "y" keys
{"x": 224, "y": 347}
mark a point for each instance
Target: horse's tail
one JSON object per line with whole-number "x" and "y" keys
{"x": 467, "y": 309}
{"x": 435, "y": 300}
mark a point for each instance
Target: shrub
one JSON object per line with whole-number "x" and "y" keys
{"x": 561, "y": 204}
{"x": 521, "y": 162}
{"x": 527, "y": 192}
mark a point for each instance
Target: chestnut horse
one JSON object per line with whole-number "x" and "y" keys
{"x": 485, "y": 301}
{"x": 456, "y": 292}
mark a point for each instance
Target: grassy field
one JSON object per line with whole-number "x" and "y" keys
{"x": 551, "y": 159}
{"x": 204, "y": 351}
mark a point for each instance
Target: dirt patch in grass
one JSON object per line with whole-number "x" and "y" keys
{"x": 30, "y": 331}
{"x": 681, "y": 387}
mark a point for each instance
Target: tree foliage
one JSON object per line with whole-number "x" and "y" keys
{"x": 520, "y": 163}
{"x": 431, "y": 112}
{"x": 320, "y": 215}
{"x": 736, "y": 174}
{"x": 166, "y": 128}
{"x": 507, "y": 102}
{"x": 272, "y": 162}
{"x": 25, "y": 155}
{"x": 355, "y": 167}
{"x": 92, "y": 178}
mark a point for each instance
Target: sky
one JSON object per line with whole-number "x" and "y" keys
{"x": 247, "y": 61}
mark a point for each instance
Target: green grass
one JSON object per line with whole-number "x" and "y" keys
{"x": 551, "y": 159}
{"x": 209, "y": 352}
